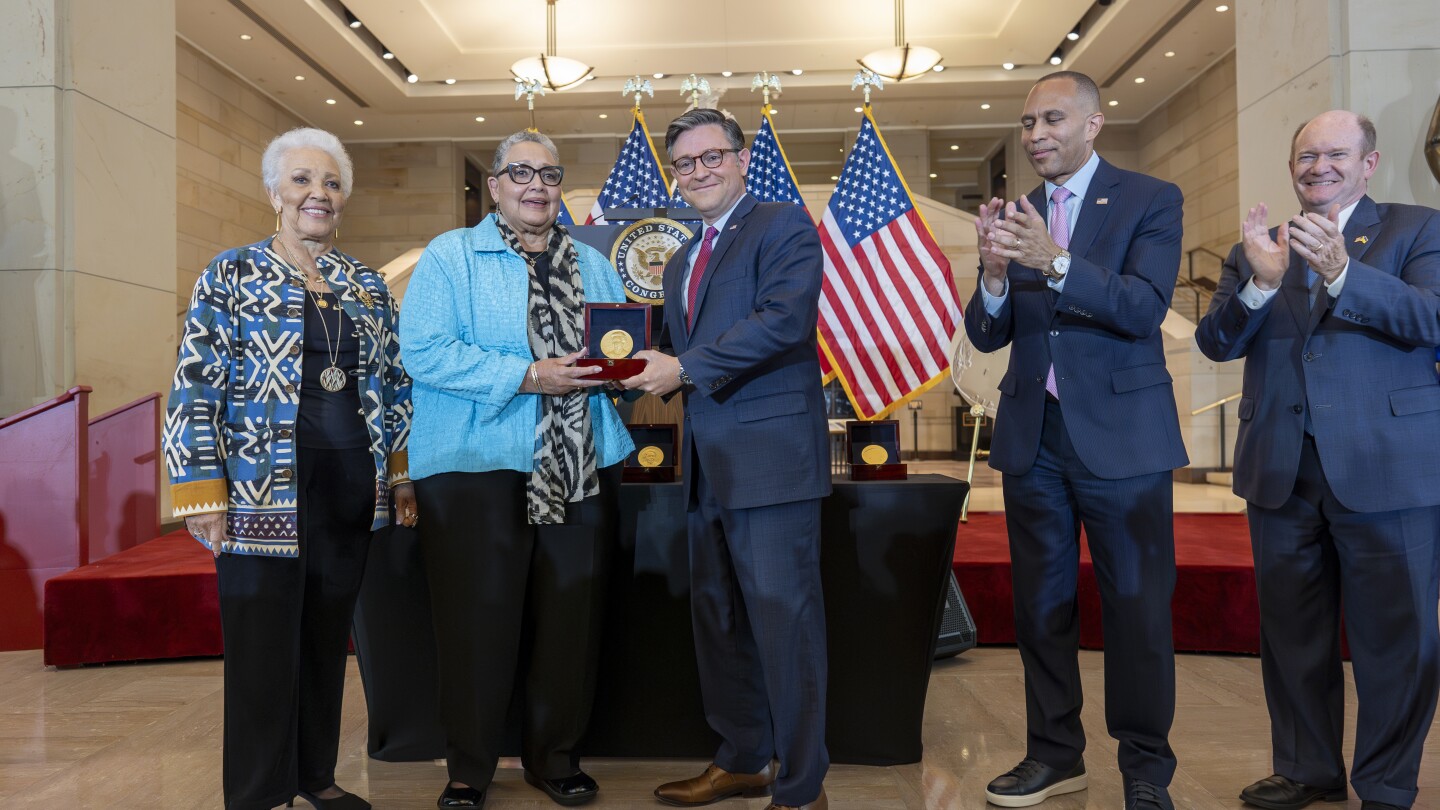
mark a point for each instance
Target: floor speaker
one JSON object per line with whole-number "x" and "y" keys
{"x": 957, "y": 628}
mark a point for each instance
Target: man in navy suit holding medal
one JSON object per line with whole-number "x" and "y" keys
{"x": 742, "y": 302}
{"x": 1337, "y": 313}
{"x": 1077, "y": 278}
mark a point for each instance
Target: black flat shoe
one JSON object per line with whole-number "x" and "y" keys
{"x": 567, "y": 790}
{"x": 461, "y": 797}
{"x": 1276, "y": 792}
{"x": 345, "y": 801}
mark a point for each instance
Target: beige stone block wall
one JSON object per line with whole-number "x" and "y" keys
{"x": 222, "y": 126}
{"x": 1192, "y": 141}
{"x": 405, "y": 195}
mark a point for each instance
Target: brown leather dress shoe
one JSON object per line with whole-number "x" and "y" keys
{"x": 716, "y": 784}
{"x": 821, "y": 803}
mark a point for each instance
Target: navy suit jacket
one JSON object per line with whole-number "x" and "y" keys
{"x": 756, "y": 414}
{"x": 1102, "y": 333}
{"x": 1364, "y": 364}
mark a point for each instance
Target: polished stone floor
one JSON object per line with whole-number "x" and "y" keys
{"x": 148, "y": 736}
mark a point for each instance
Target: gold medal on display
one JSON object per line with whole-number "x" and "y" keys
{"x": 874, "y": 454}
{"x": 616, "y": 344}
{"x": 650, "y": 456}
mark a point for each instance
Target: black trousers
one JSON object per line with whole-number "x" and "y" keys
{"x": 516, "y": 607}
{"x": 286, "y": 623}
{"x": 1129, "y": 524}
{"x": 1314, "y": 561}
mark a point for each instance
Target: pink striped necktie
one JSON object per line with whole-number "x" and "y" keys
{"x": 1060, "y": 235}
{"x": 696, "y": 274}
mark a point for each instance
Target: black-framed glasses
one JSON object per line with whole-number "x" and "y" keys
{"x": 549, "y": 175}
{"x": 712, "y": 158}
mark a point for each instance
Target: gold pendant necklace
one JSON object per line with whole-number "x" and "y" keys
{"x": 333, "y": 378}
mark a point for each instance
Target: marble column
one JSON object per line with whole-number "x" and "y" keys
{"x": 1297, "y": 58}
{"x": 87, "y": 200}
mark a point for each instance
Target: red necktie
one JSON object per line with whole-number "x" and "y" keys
{"x": 698, "y": 273}
{"x": 1060, "y": 234}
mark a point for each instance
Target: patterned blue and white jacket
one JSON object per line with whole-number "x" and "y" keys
{"x": 229, "y": 436}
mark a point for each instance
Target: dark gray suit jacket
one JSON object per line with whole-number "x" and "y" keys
{"x": 1364, "y": 365}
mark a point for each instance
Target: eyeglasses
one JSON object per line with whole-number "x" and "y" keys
{"x": 712, "y": 158}
{"x": 549, "y": 175}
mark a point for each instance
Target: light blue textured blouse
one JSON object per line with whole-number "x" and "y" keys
{"x": 466, "y": 345}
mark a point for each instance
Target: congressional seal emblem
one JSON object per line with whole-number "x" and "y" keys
{"x": 640, "y": 255}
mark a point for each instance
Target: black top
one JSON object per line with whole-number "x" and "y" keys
{"x": 541, "y": 263}
{"x": 330, "y": 420}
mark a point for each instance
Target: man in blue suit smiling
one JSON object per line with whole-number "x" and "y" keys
{"x": 1337, "y": 313}
{"x": 742, "y": 301}
{"x": 1077, "y": 279}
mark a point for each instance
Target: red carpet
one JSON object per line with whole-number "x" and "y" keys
{"x": 1215, "y": 606}
{"x": 156, "y": 600}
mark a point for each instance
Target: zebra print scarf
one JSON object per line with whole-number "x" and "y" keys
{"x": 564, "y": 463}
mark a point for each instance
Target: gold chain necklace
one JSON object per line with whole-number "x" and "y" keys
{"x": 333, "y": 378}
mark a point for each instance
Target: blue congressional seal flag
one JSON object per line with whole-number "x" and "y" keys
{"x": 640, "y": 255}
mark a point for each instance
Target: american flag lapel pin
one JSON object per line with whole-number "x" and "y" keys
{"x": 1102, "y": 201}
{"x": 1364, "y": 240}
{"x": 732, "y": 227}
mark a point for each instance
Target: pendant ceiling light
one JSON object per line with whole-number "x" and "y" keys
{"x": 904, "y": 61}
{"x": 554, "y": 72}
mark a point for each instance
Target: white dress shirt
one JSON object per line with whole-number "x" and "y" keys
{"x": 1254, "y": 297}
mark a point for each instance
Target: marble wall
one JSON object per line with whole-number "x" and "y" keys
{"x": 1297, "y": 58}
{"x": 223, "y": 125}
{"x": 87, "y": 150}
{"x": 405, "y": 194}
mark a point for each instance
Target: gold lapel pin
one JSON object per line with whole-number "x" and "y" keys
{"x": 1364, "y": 240}
{"x": 1102, "y": 201}
{"x": 364, "y": 297}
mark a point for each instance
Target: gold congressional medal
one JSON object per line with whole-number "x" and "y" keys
{"x": 616, "y": 344}
{"x": 874, "y": 454}
{"x": 651, "y": 456}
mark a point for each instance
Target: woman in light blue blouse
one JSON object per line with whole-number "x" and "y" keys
{"x": 516, "y": 460}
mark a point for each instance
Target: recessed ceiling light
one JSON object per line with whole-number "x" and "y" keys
{"x": 938, "y": 68}
{"x": 954, "y": 147}
{"x": 1073, "y": 35}
{"x": 1169, "y": 54}
{"x": 246, "y": 37}
{"x": 479, "y": 119}
{"x": 774, "y": 110}
{"x": 329, "y": 101}
{"x": 358, "y": 122}
{"x": 933, "y": 175}
{"x": 412, "y": 78}
{"x": 727, "y": 73}
{"x": 449, "y": 81}
{"x": 984, "y": 106}
{"x": 354, "y": 23}
{"x": 1008, "y": 65}
{"x": 1056, "y": 59}
{"x": 1222, "y": 9}
{"x": 858, "y": 109}
{"x": 1114, "y": 103}
{"x": 1139, "y": 79}
{"x": 797, "y": 71}
{"x": 299, "y": 78}
{"x": 657, "y": 75}
{"x": 834, "y": 177}
{"x": 604, "y": 115}
{"x": 387, "y": 55}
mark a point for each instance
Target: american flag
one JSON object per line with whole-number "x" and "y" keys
{"x": 636, "y": 180}
{"x": 889, "y": 306}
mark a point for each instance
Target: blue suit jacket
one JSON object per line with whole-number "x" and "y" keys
{"x": 756, "y": 414}
{"x": 1365, "y": 365}
{"x": 1102, "y": 333}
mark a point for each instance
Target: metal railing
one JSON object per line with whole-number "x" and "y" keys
{"x": 1194, "y": 292}
{"x": 1219, "y": 404}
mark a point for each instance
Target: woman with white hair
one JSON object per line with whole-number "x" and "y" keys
{"x": 285, "y": 437}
